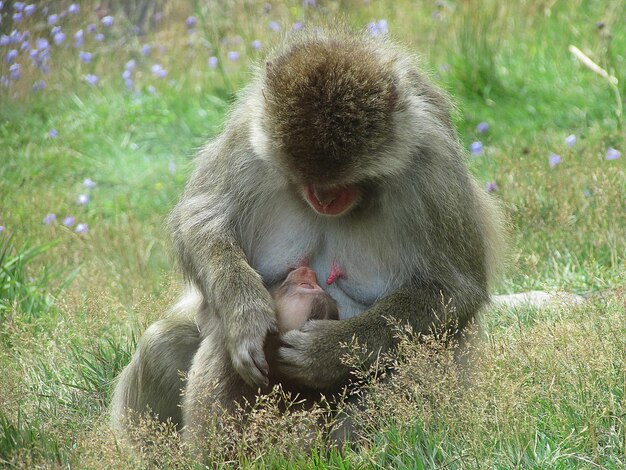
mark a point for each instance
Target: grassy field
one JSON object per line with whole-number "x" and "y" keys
{"x": 106, "y": 139}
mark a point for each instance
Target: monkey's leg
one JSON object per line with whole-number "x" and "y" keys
{"x": 152, "y": 381}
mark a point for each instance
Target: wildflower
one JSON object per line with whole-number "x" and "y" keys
{"x": 82, "y": 228}
{"x": 191, "y": 22}
{"x": 476, "y": 148}
{"x": 377, "y": 28}
{"x": 73, "y": 8}
{"x": 92, "y": 79}
{"x": 382, "y": 26}
{"x": 78, "y": 38}
{"x": 42, "y": 44}
{"x": 59, "y": 38}
{"x": 107, "y": 21}
{"x": 491, "y": 186}
{"x": 308, "y": 3}
{"x": 2, "y": 228}
{"x": 130, "y": 65}
{"x": 99, "y": 37}
{"x": 129, "y": 83}
{"x": 85, "y": 57}
{"x": 233, "y": 56}
{"x": 274, "y": 26}
{"x": 25, "y": 46}
{"x": 213, "y": 62}
{"x": 89, "y": 183}
{"x": 482, "y": 127}
{"x": 91, "y": 28}
{"x": 53, "y": 19}
{"x": 158, "y": 71}
{"x": 55, "y": 30}
{"x": 68, "y": 221}
{"x": 18, "y": 6}
{"x": 554, "y": 160}
{"x": 151, "y": 90}
{"x": 256, "y": 44}
{"x": 5, "y": 40}
{"x": 570, "y": 140}
{"x": 82, "y": 199}
{"x": 14, "y": 71}
{"x": 17, "y": 17}
{"x": 53, "y": 133}
{"x": 10, "y": 56}
{"x": 39, "y": 85}
{"x": 49, "y": 218}
{"x": 126, "y": 74}
{"x": 145, "y": 50}
{"x": 297, "y": 26}
{"x": 172, "y": 166}
{"x": 613, "y": 154}
{"x": 29, "y": 9}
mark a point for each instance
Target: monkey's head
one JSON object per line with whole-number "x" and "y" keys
{"x": 299, "y": 298}
{"x": 328, "y": 116}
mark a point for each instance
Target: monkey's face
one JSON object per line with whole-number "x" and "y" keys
{"x": 300, "y": 298}
{"x": 329, "y": 118}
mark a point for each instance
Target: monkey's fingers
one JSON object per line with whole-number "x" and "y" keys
{"x": 250, "y": 364}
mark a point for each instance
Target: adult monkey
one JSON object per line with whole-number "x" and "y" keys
{"x": 343, "y": 154}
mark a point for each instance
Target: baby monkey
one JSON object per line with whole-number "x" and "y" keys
{"x": 298, "y": 299}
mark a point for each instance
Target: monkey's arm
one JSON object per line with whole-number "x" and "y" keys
{"x": 212, "y": 259}
{"x": 312, "y": 355}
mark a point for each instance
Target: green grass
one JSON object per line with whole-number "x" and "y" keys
{"x": 548, "y": 390}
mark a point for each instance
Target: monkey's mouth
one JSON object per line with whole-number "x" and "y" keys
{"x": 332, "y": 200}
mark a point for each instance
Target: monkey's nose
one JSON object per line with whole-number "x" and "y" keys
{"x": 304, "y": 274}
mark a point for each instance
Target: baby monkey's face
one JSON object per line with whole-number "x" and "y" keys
{"x": 300, "y": 298}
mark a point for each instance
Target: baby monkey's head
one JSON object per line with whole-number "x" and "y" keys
{"x": 300, "y": 298}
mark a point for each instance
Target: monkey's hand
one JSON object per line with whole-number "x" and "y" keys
{"x": 246, "y": 338}
{"x": 312, "y": 355}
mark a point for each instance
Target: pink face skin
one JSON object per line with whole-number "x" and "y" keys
{"x": 295, "y": 298}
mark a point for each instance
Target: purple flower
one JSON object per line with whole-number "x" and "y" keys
{"x": 274, "y": 26}
{"x": 89, "y": 183}
{"x": 130, "y": 65}
{"x": 82, "y": 228}
{"x": 91, "y": 28}
{"x": 145, "y": 50}
{"x": 10, "y": 56}
{"x": 126, "y": 74}
{"x": 39, "y": 85}
{"x": 297, "y": 26}
{"x": 85, "y": 57}
{"x": 129, "y": 83}
{"x": 491, "y": 187}
{"x": 17, "y": 17}
{"x": 18, "y": 6}
{"x": 476, "y": 148}
{"x": 14, "y": 71}
{"x": 69, "y": 221}
{"x": 191, "y": 22}
{"x": 53, "y": 19}
{"x": 5, "y": 40}
{"x": 29, "y": 9}
{"x": 570, "y": 140}
{"x": 53, "y": 133}
{"x": 213, "y": 62}
{"x": 482, "y": 127}
{"x": 16, "y": 36}
{"x": 172, "y": 166}
{"x": 99, "y": 37}
{"x": 82, "y": 199}
{"x": 382, "y": 26}
{"x": 107, "y": 21}
{"x": 49, "y": 218}
{"x": 613, "y": 154}
{"x": 55, "y": 30}
{"x": 256, "y": 44}
{"x": 92, "y": 79}
{"x": 59, "y": 38}
{"x": 158, "y": 71}
{"x": 233, "y": 56}
{"x": 554, "y": 160}
{"x": 151, "y": 90}
{"x": 25, "y": 46}
{"x": 377, "y": 28}
{"x": 73, "y": 8}
{"x": 78, "y": 38}
{"x": 41, "y": 44}
{"x": 2, "y": 228}
{"x": 308, "y": 3}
